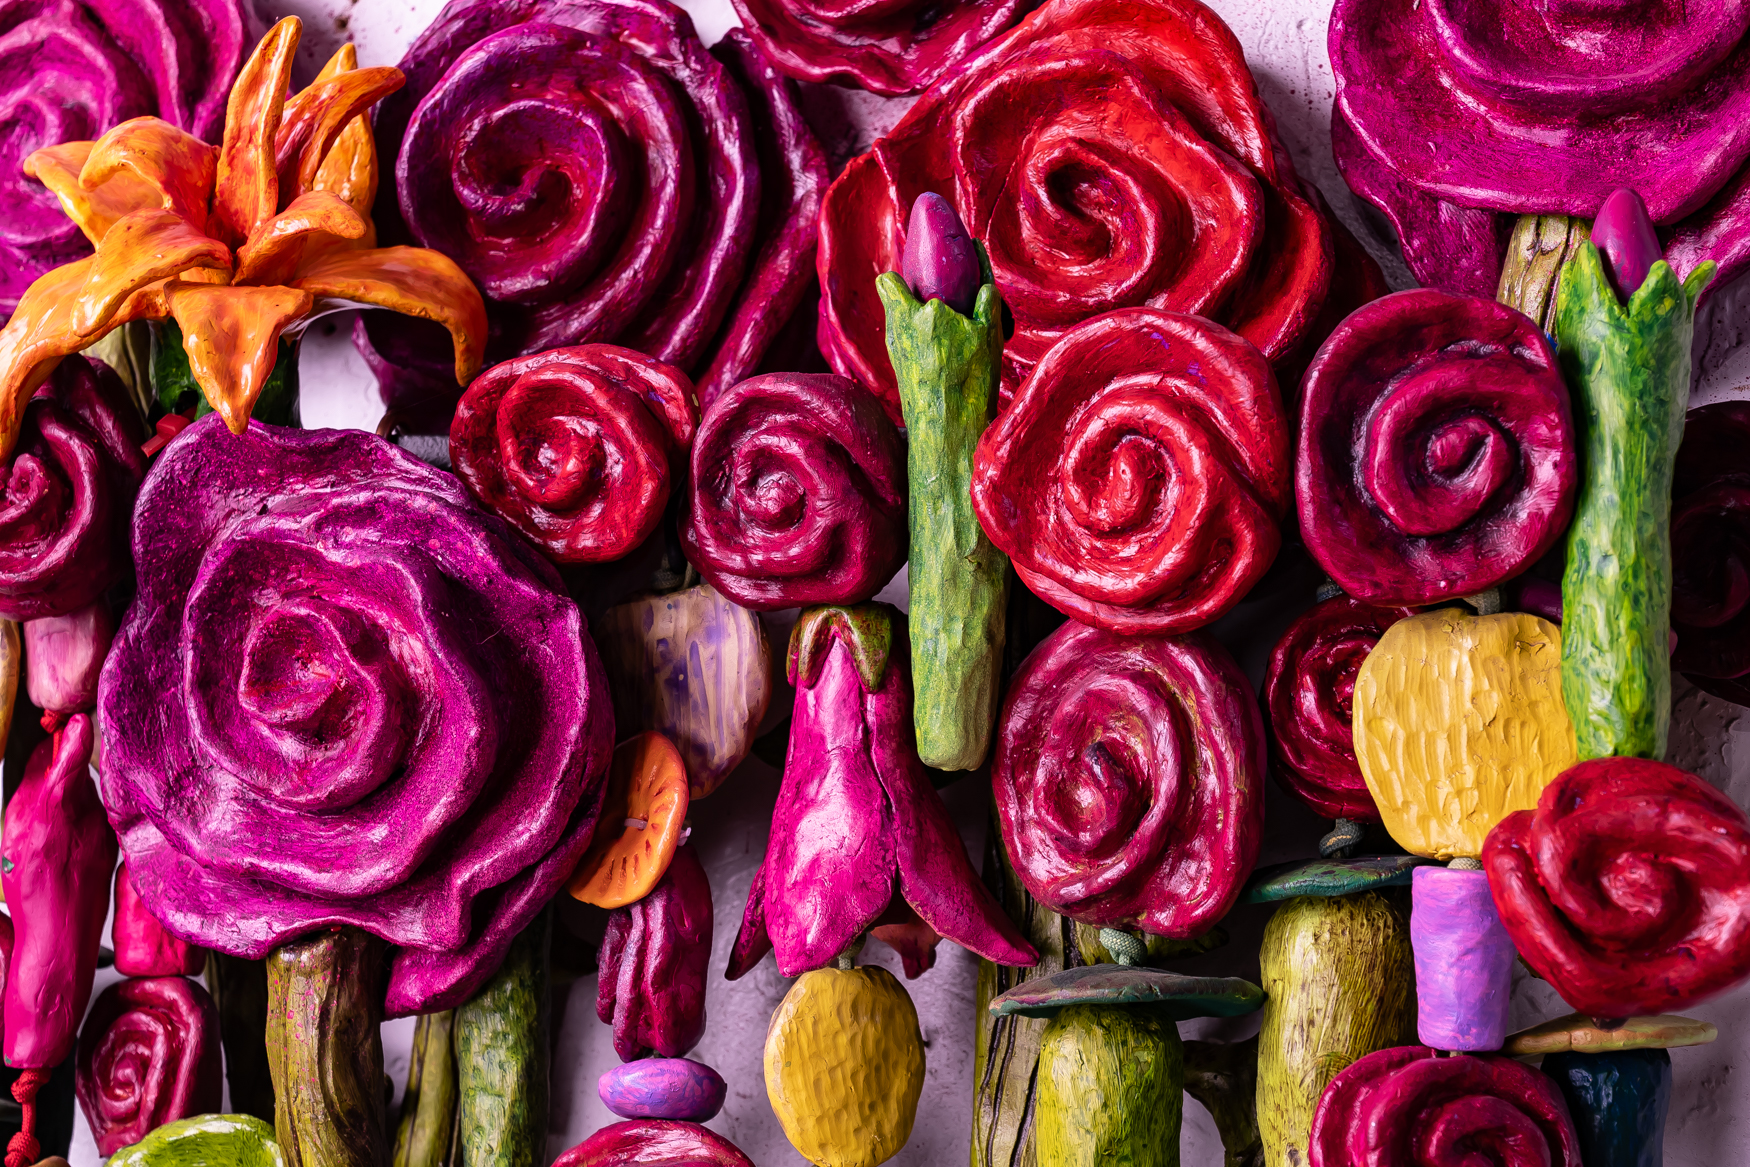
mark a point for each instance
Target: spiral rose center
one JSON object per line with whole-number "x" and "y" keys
{"x": 1093, "y": 816}
{"x": 1431, "y": 464}
{"x": 35, "y": 503}
{"x": 1125, "y": 493}
{"x": 1480, "y": 1128}
{"x": 551, "y": 444}
{"x": 1645, "y": 891}
{"x": 129, "y": 1062}
{"x": 768, "y": 492}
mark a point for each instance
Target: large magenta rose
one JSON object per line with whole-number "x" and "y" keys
{"x": 1449, "y": 111}
{"x": 1710, "y": 551}
{"x": 1129, "y": 779}
{"x": 71, "y": 69}
{"x": 68, "y": 494}
{"x": 1109, "y": 154}
{"x": 890, "y": 48}
{"x": 346, "y": 695}
{"x": 604, "y": 178}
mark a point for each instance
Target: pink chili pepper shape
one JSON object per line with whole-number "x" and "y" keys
{"x": 653, "y": 961}
{"x": 856, "y": 812}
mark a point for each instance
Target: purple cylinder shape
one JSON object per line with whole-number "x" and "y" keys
{"x": 1464, "y": 960}
{"x": 62, "y": 656}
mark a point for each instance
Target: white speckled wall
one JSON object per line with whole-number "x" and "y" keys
{"x": 1285, "y": 40}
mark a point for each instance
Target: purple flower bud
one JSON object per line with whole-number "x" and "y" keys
{"x": 940, "y": 262}
{"x": 62, "y": 656}
{"x": 1623, "y": 233}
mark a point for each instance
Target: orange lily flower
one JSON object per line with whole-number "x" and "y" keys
{"x": 239, "y": 243}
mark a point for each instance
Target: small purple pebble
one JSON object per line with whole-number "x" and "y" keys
{"x": 678, "y": 1088}
{"x": 940, "y": 262}
{"x": 1624, "y": 235}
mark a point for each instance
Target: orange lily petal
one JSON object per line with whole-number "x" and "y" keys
{"x": 314, "y": 119}
{"x": 350, "y": 168}
{"x": 272, "y": 256}
{"x": 231, "y": 336}
{"x": 95, "y": 211}
{"x": 33, "y": 342}
{"x": 142, "y": 247}
{"x": 247, "y": 191}
{"x": 412, "y": 281}
{"x": 177, "y": 166}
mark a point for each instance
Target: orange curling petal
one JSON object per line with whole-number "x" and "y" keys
{"x": 247, "y": 190}
{"x": 95, "y": 211}
{"x": 33, "y": 342}
{"x": 231, "y": 336}
{"x": 350, "y": 169}
{"x": 177, "y": 166}
{"x": 315, "y": 118}
{"x": 640, "y": 825}
{"x": 140, "y": 248}
{"x": 273, "y": 254}
{"x": 412, "y": 281}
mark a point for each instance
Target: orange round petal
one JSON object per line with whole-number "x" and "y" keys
{"x": 640, "y": 827}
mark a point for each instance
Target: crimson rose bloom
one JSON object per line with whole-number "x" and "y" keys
{"x": 346, "y": 695}
{"x": 148, "y": 1054}
{"x": 605, "y": 178}
{"x": 1109, "y": 154}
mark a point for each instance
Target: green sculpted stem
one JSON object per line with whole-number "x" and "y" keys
{"x": 1628, "y": 367}
{"x": 501, "y": 1059}
{"x": 947, "y": 366}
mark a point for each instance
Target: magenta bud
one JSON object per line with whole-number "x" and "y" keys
{"x": 940, "y": 262}
{"x": 62, "y": 657}
{"x": 1624, "y": 235}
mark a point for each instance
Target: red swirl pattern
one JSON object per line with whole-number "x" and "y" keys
{"x": 1710, "y": 551}
{"x": 892, "y": 47}
{"x": 798, "y": 493}
{"x": 1409, "y": 1107}
{"x": 1110, "y": 154}
{"x": 1436, "y": 452}
{"x": 578, "y": 448}
{"x": 1128, "y": 779}
{"x": 1308, "y": 690}
{"x": 1137, "y": 479}
{"x": 1628, "y": 888}
{"x": 67, "y": 497}
{"x": 148, "y": 1054}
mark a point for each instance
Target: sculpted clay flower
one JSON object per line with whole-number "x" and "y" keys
{"x": 71, "y": 69}
{"x": 651, "y": 987}
{"x": 1129, "y": 779}
{"x": 1437, "y": 454}
{"x": 577, "y": 447}
{"x": 606, "y": 179}
{"x": 890, "y": 49}
{"x": 1628, "y": 888}
{"x": 1138, "y": 476}
{"x": 1309, "y": 692}
{"x": 1710, "y": 551}
{"x": 1109, "y": 154}
{"x": 238, "y": 243}
{"x": 345, "y": 695}
{"x": 858, "y": 832}
{"x": 1408, "y": 1105}
{"x": 1448, "y": 113}
{"x": 148, "y": 1054}
{"x": 798, "y": 493}
{"x": 68, "y": 493}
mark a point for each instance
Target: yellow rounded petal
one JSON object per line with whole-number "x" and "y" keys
{"x": 1459, "y": 722}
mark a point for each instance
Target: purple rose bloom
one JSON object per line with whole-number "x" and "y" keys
{"x": 67, "y": 495}
{"x": 71, "y": 69}
{"x": 604, "y": 178}
{"x": 1450, "y": 113}
{"x": 346, "y": 695}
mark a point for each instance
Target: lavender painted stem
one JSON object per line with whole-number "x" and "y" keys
{"x": 940, "y": 262}
{"x": 1464, "y": 960}
{"x": 1623, "y": 233}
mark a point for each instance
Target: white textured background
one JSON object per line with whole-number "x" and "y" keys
{"x": 1285, "y": 42}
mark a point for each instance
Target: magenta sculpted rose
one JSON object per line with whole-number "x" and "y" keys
{"x": 68, "y": 493}
{"x": 1710, "y": 551}
{"x": 71, "y": 69}
{"x": 148, "y": 1054}
{"x": 798, "y": 493}
{"x": 604, "y": 178}
{"x": 1129, "y": 779}
{"x": 1437, "y": 454}
{"x": 345, "y": 695}
{"x": 1453, "y": 116}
